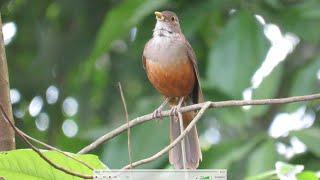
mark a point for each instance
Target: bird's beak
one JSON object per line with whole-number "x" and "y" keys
{"x": 159, "y": 15}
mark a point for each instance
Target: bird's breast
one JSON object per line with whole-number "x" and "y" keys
{"x": 167, "y": 50}
{"x": 169, "y": 69}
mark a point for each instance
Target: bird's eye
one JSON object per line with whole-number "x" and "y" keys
{"x": 173, "y": 18}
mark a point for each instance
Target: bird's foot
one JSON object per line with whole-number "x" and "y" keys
{"x": 175, "y": 110}
{"x": 157, "y": 114}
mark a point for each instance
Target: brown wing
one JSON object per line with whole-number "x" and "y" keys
{"x": 143, "y": 62}
{"x": 197, "y": 96}
{"x": 143, "y": 57}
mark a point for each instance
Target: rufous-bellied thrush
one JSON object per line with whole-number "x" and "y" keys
{"x": 171, "y": 66}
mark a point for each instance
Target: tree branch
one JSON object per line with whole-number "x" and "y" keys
{"x": 193, "y": 107}
{"x": 35, "y": 149}
{"x": 52, "y": 148}
{"x": 183, "y": 141}
{"x": 7, "y": 141}
{"x": 304, "y": 54}
{"x": 127, "y": 118}
{"x": 205, "y": 106}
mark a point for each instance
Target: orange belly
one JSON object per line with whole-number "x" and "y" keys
{"x": 174, "y": 80}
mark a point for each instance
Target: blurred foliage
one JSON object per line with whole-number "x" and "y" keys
{"x": 85, "y": 47}
{"x": 19, "y": 165}
{"x": 235, "y": 51}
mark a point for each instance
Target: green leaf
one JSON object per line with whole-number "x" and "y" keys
{"x": 287, "y": 171}
{"x": 146, "y": 139}
{"x": 267, "y": 89}
{"x": 302, "y": 19}
{"x": 194, "y": 18}
{"x": 310, "y": 137}
{"x": 234, "y": 117}
{"x": 309, "y": 73}
{"x": 237, "y": 54}
{"x": 262, "y": 159}
{"x": 275, "y": 4}
{"x": 26, "y": 164}
{"x": 224, "y": 154}
{"x": 305, "y": 82}
{"x": 264, "y": 176}
{"x": 119, "y": 20}
{"x": 307, "y": 175}
{"x": 308, "y": 159}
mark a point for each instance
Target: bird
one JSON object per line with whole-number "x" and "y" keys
{"x": 171, "y": 66}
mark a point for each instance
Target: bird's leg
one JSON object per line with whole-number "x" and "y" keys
{"x": 157, "y": 113}
{"x": 175, "y": 109}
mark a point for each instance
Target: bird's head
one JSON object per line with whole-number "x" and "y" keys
{"x": 167, "y": 23}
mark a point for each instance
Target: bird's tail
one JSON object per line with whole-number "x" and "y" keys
{"x": 192, "y": 145}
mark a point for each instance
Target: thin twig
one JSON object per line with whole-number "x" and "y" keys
{"x": 193, "y": 107}
{"x": 53, "y": 148}
{"x": 175, "y": 142}
{"x": 183, "y": 142}
{"x": 127, "y": 118}
{"x": 39, "y": 152}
